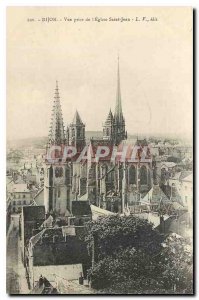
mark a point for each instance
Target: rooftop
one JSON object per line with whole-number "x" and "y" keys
{"x": 81, "y": 208}
{"x": 33, "y": 213}
{"x": 168, "y": 164}
{"x": 20, "y": 188}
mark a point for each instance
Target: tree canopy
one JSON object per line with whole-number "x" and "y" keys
{"x": 130, "y": 256}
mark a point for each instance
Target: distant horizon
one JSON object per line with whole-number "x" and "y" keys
{"x": 146, "y": 135}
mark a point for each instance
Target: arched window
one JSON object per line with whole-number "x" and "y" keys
{"x": 109, "y": 177}
{"x": 104, "y": 169}
{"x": 143, "y": 175}
{"x": 78, "y": 132}
{"x": 132, "y": 175}
{"x": 107, "y": 131}
{"x": 67, "y": 175}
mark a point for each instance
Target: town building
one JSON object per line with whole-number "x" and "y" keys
{"x": 20, "y": 195}
{"x": 32, "y": 218}
{"x": 56, "y": 252}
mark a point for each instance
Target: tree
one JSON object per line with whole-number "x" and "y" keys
{"x": 131, "y": 257}
{"x": 125, "y": 269}
{"x": 178, "y": 264}
{"x": 114, "y": 233}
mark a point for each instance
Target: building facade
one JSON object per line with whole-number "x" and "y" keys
{"x": 108, "y": 183}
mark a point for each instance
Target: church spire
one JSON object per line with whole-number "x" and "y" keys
{"x": 57, "y": 133}
{"x": 119, "y": 122}
{"x": 108, "y": 127}
{"x": 77, "y": 120}
{"x": 109, "y": 119}
{"x": 118, "y": 107}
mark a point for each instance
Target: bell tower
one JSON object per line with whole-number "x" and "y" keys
{"x": 57, "y": 171}
{"x": 76, "y": 133}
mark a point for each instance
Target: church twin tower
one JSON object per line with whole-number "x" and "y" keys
{"x": 74, "y": 135}
{"x": 62, "y": 178}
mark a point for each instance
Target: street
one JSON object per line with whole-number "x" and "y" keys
{"x": 12, "y": 279}
{"x": 15, "y": 272}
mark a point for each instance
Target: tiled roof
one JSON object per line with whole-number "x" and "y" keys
{"x": 81, "y": 208}
{"x": 38, "y": 193}
{"x": 33, "y": 213}
{"x": 34, "y": 239}
{"x": 185, "y": 174}
{"x": 168, "y": 164}
{"x": 47, "y": 234}
{"x": 158, "y": 195}
{"x": 172, "y": 192}
{"x": 188, "y": 178}
{"x": 20, "y": 188}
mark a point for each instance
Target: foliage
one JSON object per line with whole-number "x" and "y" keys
{"x": 114, "y": 233}
{"x": 178, "y": 264}
{"x": 130, "y": 257}
{"x": 127, "y": 266}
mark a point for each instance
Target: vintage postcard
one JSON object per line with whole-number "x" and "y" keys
{"x": 99, "y": 175}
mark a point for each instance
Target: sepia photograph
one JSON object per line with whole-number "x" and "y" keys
{"x": 99, "y": 150}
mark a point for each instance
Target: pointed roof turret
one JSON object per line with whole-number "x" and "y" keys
{"x": 118, "y": 107}
{"x": 109, "y": 119}
{"x": 77, "y": 120}
{"x": 57, "y": 133}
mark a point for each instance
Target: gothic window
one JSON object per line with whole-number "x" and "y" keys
{"x": 107, "y": 131}
{"x": 120, "y": 171}
{"x": 104, "y": 169}
{"x": 109, "y": 177}
{"x": 59, "y": 193}
{"x": 67, "y": 175}
{"x": 59, "y": 172}
{"x": 143, "y": 175}
{"x": 132, "y": 175}
{"x": 73, "y": 131}
{"x": 50, "y": 172}
{"x": 78, "y": 132}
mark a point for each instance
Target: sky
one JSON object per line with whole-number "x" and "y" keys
{"x": 155, "y": 68}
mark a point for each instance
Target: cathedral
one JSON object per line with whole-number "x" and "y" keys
{"x": 110, "y": 184}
